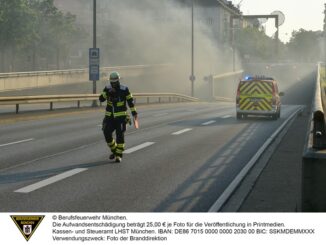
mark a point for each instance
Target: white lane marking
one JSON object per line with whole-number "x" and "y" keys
{"x": 138, "y": 147}
{"x": 236, "y": 181}
{"x": 182, "y": 131}
{"x": 227, "y": 116}
{"x": 208, "y": 123}
{"x": 17, "y": 142}
{"x": 49, "y": 181}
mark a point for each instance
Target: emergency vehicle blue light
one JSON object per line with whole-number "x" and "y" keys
{"x": 248, "y": 78}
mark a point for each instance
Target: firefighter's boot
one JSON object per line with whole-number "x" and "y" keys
{"x": 113, "y": 147}
{"x": 119, "y": 152}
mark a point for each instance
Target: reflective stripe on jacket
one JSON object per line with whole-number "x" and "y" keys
{"x": 117, "y": 101}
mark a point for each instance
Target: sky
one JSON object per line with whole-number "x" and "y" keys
{"x": 306, "y": 14}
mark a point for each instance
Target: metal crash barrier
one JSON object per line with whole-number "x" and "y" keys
{"x": 314, "y": 156}
{"x": 148, "y": 97}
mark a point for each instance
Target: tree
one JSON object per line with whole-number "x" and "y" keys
{"x": 16, "y": 28}
{"x": 1, "y": 13}
{"x": 255, "y": 43}
{"x": 57, "y": 31}
{"x": 31, "y": 29}
{"x": 304, "y": 46}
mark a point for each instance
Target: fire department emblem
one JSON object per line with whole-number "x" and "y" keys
{"x": 27, "y": 224}
{"x": 27, "y": 229}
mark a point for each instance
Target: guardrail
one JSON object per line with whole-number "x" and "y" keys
{"x": 212, "y": 78}
{"x": 18, "y": 100}
{"x": 319, "y": 132}
{"x": 314, "y": 156}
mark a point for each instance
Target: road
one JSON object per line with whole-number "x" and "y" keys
{"x": 181, "y": 160}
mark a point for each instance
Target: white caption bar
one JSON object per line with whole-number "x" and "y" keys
{"x": 182, "y": 131}
{"x": 138, "y": 147}
{"x": 51, "y": 180}
{"x": 17, "y": 142}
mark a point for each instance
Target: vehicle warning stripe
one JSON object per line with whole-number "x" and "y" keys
{"x": 246, "y": 104}
{"x": 268, "y": 87}
{"x": 247, "y": 88}
{"x": 266, "y": 104}
{"x": 257, "y": 90}
{"x": 258, "y": 87}
{"x": 262, "y": 104}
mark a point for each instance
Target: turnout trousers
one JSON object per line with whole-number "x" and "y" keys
{"x": 118, "y": 125}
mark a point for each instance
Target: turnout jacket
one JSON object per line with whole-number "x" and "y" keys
{"x": 117, "y": 101}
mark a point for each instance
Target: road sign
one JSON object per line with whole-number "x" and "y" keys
{"x": 94, "y": 64}
{"x": 192, "y": 78}
{"x": 94, "y": 72}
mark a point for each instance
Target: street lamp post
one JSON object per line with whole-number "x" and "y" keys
{"x": 233, "y": 49}
{"x": 94, "y": 46}
{"x": 324, "y": 29}
{"x": 192, "y": 76}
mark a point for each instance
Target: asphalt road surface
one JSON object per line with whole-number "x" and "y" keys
{"x": 180, "y": 160}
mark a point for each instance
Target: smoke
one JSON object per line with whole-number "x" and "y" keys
{"x": 159, "y": 32}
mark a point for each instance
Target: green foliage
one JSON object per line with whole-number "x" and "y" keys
{"x": 16, "y": 23}
{"x": 36, "y": 28}
{"x": 324, "y": 26}
{"x": 56, "y": 31}
{"x": 1, "y": 12}
{"x": 304, "y": 45}
{"x": 256, "y": 44}
{"x": 323, "y": 76}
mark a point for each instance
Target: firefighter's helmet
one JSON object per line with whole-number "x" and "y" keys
{"x": 115, "y": 79}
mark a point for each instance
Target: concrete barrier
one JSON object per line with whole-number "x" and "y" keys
{"x": 227, "y": 80}
{"x": 25, "y": 80}
{"x": 22, "y": 80}
{"x": 314, "y": 179}
{"x": 314, "y": 156}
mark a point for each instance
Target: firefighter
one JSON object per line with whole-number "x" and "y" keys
{"x": 116, "y": 116}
